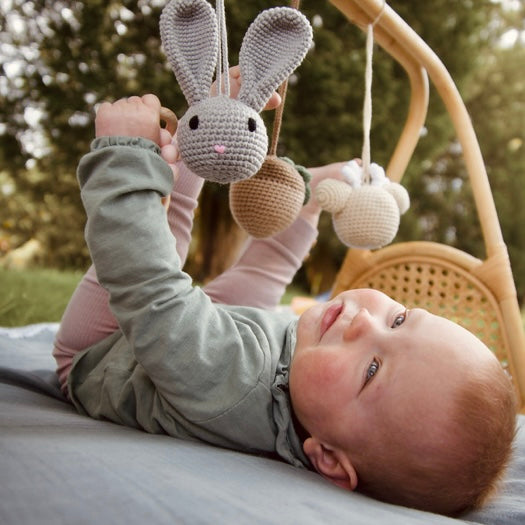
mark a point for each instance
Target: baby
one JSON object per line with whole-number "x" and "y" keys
{"x": 400, "y": 404}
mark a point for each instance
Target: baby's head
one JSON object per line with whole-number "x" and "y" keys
{"x": 405, "y": 406}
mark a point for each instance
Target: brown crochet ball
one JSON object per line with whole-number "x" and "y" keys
{"x": 270, "y": 201}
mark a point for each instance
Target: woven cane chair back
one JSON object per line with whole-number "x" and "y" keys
{"x": 435, "y": 277}
{"x": 478, "y": 294}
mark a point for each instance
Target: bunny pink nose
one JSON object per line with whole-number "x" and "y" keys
{"x": 219, "y": 148}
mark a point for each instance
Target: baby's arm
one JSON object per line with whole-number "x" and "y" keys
{"x": 128, "y": 236}
{"x": 87, "y": 318}
{"x": 267, "y": 266}
{"x": 176, "y": 335}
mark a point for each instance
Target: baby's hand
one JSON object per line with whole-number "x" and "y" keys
{"x": 235, "y": 86}
{"x": 130, "y": 117}
{"x": 170, "y": 153}
{"x": 330, "y": 171}
{"x": 168, "y": 149}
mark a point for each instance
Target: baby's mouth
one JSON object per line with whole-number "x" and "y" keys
{"x": 330, "y": 316}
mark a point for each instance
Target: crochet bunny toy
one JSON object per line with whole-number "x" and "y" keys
{"x": 364, "y": 215}
{"x": 223, "y": 139}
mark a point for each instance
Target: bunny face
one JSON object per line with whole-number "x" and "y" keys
{"x": 222, "y": 140}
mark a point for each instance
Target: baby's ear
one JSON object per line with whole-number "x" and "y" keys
{"x": 333, "y": 464}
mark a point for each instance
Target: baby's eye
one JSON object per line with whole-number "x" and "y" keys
{"x": 372, "y": 370}
{"x": 399, "y": 320}
{"x": 194, "y": 122}
{"x": 252, "y": 125}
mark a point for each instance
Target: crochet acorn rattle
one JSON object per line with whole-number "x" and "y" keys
{"x": 365, "y": 209}
{"x": 223, "y": 139}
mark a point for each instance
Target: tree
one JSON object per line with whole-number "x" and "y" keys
{"x": 498, "y": 113}
{"x": 494, "y": 97}
{"x": 73, "y": 55}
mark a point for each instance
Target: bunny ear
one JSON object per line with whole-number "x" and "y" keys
{"x": 188, "y": 30}
{"x": 274, "y": 45}
{"x": 400, "y": 195}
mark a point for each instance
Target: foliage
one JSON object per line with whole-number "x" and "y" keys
{"x": 73, "y": 55}
{"x": 445, "y": 209}
{"x": 498, "y": 113}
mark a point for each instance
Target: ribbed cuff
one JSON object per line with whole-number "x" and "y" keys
{"x": 135, "y": 142}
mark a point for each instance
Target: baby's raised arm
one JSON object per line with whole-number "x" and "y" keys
{"x": 267, "y": 266}
{"x": 88, "y": 318}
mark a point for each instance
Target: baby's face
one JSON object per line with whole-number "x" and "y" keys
{"x": 363, "y": 361}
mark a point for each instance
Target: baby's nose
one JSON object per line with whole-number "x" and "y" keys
{"x": 219, "y": 148}
{"x": 358, "y": 326}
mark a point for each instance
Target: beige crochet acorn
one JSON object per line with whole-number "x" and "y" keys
{"x": 271, "y": 200}
{"x": 364, "y": 217}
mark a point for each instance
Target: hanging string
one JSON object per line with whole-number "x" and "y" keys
{"x": 278, "y": 118}
{"x": 367, "y": 105}
{"x": 222, "y": 75}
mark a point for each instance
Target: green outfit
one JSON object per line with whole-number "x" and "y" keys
{"x": 179, "y": 364}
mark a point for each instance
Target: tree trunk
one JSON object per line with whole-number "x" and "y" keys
{"x": 219, "y": 239}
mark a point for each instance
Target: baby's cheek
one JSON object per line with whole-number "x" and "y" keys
{"x": 329, "y": 370}
{"x": 316, "y": 387}
{"x": 321, "y": 370}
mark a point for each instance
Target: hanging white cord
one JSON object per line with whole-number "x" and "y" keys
{"x": 222, "y": 76}
{"x": 367, "y": 105}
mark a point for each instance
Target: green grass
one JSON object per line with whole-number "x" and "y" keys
{"x": 34, "y": 296}
{"x": 291, "y": 292}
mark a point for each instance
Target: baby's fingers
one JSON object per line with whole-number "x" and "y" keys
{"x": 235, "y": 86}
{"x": 152, "y": 101}
{"x": 275, "y": 101}
{"x": 165, "y": 137}
{"x": 169, "y": 153}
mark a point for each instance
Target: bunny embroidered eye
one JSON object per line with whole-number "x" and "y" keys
{"x": 194, "y": 122}
{"x": 252, "y": 125}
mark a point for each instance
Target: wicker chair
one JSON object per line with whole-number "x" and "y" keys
{"x": 478, "y": 294}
